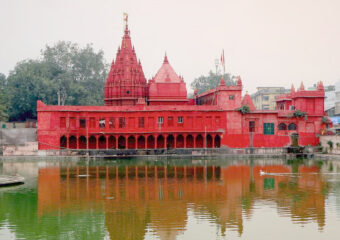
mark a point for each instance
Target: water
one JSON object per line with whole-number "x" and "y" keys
{"x": 216, "y": 199}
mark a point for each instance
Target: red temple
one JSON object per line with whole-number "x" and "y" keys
{"x": 158, "y": 114}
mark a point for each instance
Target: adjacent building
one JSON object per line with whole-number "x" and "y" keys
{"x": 264, "y": 98}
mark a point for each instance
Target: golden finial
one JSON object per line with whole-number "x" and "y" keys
{"x": 125, "y": 17}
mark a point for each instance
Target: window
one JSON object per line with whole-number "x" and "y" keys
{"x": 292, "y": 126}
{"x": 291, "y": 107}
{"x": 160, "y": 120}
{"x": 141, "y": 122}
{"x": 265, "y": 107}
{"x": 151, "y": 122}
{"x": 180, "y": 119}
{"x": 62, "y": 122}
{"x": 265, "y": 98}
{"x": 251, "y": 126}
{"x": 102, "y": 122}
{"x": 112, "y": 123}
{"x": 121, "y": 122}
{"x": 72, "y": 122}
{"x": 82, "y": 123}
{"x": 268, "y": 128}
{"x": 170, "y": 121}
{"x": 282, "y": 126}
{"x": 231, "y": 97}
{"x": 92, "y": 122}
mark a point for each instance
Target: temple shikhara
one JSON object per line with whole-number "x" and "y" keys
{"x": 157, "y": 114}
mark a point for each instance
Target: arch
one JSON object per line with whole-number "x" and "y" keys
{"x": 63, "y": 142}
{"x": 121, "y": 142}
{"x": 160, "y": 141}
{"x": 141, "y": 142}
{"x": 82, "y": 142}
{"x": 102, "y": 142}
{"x": 190, "y": 141}
{"x": 72, "y": 142}
{"x": 282, "y": 126}
{"x": 199, "y": 141}
{"x": 131, "y": 142}
{"x": 112, "y": 142}
{"x": 217, "y": 141}
{"x": 151, "y": 142}
{"x": 292, "y": 126}
{"x": 180, "y": 141}
{"x": 92, "y": 142}
{"x": 209, "y": 141}
{"x": 170, "y": 141}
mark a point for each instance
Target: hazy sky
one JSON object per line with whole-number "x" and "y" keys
{"x": 266, "y": 42}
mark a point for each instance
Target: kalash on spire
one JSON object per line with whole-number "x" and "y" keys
{"x": 126, "y": 82}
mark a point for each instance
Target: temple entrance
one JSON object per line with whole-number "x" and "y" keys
{"x": 92, "y": 142}
{"x": 141, "y": 142}
{"x": 131, "y": 142}
{"x": 199, "y": 141}
{"x": 63, "y": 142}
{"x": 170, "y": 141}
{"x": 209, "y": 141}
{"x": 294, "y": 140}
{"x": 72, "y": 142}
{"x": 160, "y": 141}
{"x": 190, "y": 141}
{"x": 151, "y": 142}
{"x": 102, "y": 142}
{"x": 82, "y": 142}
{"x": 112, "y": 142}
{"x": 121, "y": 142}
{"x": 180, "y": 141}
{"x": 217, "y": 141}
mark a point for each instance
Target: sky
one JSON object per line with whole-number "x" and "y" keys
{"x": 266, "y": 42}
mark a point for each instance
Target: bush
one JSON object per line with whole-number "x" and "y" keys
{"x": 330, "y": 143}
{"x": 244, "y": 109}
{"x": 299, "y": 114}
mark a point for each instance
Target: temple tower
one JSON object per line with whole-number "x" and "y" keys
{"x": 126, "y": 82}
{"x": 167, "y": 88}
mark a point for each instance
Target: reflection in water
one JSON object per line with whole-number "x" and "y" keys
{"x": 122, "y": 201}
{"x": 137, "y": 198}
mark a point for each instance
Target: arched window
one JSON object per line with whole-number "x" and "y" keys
{"x": 282, "y": 126}
{"x": 292, "y": 126}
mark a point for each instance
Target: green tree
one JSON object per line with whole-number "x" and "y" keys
{"x": 3, "y": 98}
{"x": 204, "y": 83}
{"x": 84, "y": 72}
{"x": 66, "y": 74}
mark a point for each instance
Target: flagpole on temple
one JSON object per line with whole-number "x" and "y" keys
{"x": 223, "y": 63}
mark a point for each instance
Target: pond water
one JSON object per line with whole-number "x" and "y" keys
{"x": 173, "y": 199}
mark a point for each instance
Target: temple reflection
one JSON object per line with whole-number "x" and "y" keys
{"x": 137, "y": 199}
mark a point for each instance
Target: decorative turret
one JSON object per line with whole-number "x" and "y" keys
{"x": 222, "y": 82}
{"x": 292, "y": 89}
{"x": 167, "y": 87}
{"x": 302, "y": 87}
{"x": 239, "y": 81}
{"x": 320, "y": 86}
{"x": 126, "y": 81}
{"x": 247, "y": 101}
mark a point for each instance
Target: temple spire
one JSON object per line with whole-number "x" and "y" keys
{"x": 165, "y": 59}
{"x": 126, "y": 17}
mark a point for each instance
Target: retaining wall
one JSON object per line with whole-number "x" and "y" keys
{"x": 17, "y": 136}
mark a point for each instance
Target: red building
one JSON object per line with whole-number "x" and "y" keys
{"x": 158, "y": 114}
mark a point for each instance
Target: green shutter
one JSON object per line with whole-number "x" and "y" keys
{"x": 268, "y": 128}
